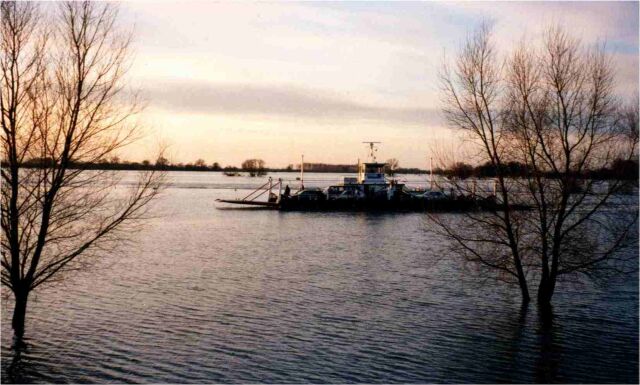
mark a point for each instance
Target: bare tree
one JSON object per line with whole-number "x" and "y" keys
{"x": 392, "y": 166}
{"x": 255, "y": 167}
{"x": 162, "y": 162}
{"x": 63, "y": 101}
{"x": 553, "y": 110}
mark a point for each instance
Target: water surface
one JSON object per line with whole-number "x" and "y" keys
{"x": 246, "y": 296}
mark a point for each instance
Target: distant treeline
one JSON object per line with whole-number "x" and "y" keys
{"x": 324, "y": 167}
{"x": 620, "y": 168}
{"x": 256, "y": 166}
{"x": 346, "y": 168}
{"x": 116, "y": 164}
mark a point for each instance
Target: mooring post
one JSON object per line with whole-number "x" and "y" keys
{"x": 270, "y": 186}
{"x": 279, "y": 188}
{"x": 474, "y": 188}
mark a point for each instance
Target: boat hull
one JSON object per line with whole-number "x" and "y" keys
{"x": 412, "y": 205}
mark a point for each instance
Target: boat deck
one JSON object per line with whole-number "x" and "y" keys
{"x": 275, "y": 205}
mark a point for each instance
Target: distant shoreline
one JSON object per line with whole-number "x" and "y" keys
{"x": 222, "y": 170}
{"x": 620, "y": 169}
{"x": 166, "y": 166}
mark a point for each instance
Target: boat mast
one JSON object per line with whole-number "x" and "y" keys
{"x": 302, "y": 173}
{"x": 372, "y": 150}
{"x": 431, "y": 173}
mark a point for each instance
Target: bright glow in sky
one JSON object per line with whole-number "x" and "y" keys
{"x": 229, "y": 81}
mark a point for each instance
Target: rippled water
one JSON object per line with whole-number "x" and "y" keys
{"x": 221, "y": 295}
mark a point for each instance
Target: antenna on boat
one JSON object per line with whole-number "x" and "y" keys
{"x": 431, "y": 173}
{"x": 302, "y": 173}
{"x": 372, "y": 149}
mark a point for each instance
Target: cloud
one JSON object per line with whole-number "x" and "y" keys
{"x": 276, "y": 101}
{"x": 615, "y": 21}
{"x": 245, "y": 78}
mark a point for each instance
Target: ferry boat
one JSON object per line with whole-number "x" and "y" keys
{"x": 370, "y": 190}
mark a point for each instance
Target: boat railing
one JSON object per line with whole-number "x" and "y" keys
{"x": 272, "y": 200}
{"x": 264, "y": 189}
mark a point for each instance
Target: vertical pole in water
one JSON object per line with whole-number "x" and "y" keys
{"x": 474, "y": 188}
{"x": 431, "y": 174}
{"x": 279, "y": 188}
{"x": 302, "y": 173}
{"x": 270, "y": 186}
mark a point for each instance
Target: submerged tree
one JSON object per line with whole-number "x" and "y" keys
{"x": 553, "y": 110}
{"x": 255, "y": 167}
{"x": 63, "y": 100}
{"x": 392, "y": 165}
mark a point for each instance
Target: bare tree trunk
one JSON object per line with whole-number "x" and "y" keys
{"x": 545, "y": 290}
{"x": 19, "y": 311}
{"x": 522, "y": 281}
{"x": 547, "y": 284}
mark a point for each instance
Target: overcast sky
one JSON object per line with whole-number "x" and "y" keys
{"x": 230, "y": 81}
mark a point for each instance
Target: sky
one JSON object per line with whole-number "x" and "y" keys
{"x": 227, "y": 81}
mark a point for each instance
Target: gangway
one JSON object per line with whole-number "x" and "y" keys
{"x": 273, "y": 200}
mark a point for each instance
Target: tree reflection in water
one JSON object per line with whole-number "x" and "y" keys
{"x": 18, "y": 366}
{"x": 547, "y": 361}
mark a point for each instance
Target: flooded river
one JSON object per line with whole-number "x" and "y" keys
{"x": 244, "y": 296}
